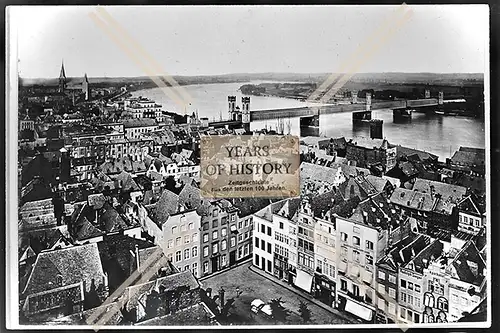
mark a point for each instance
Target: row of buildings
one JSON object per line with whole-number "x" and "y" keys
{"x": 383, "y": 253}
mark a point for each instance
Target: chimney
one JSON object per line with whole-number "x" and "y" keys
{"x": 137, "y": 262}
{"x": 221, "y": 296}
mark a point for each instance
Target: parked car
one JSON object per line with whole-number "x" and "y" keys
{"x": 259, "y": 305}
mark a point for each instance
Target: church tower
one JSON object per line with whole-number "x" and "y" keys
{"x": 85, "y": 87}
{"x": 62, "y": 79}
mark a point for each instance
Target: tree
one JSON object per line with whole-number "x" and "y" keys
{"x": 279, "y": 311}
{"x": 304, "y": 311}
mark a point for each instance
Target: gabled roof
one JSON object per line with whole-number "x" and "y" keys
{"x": 462, "y": 263}
{"x": 167, "y": 205}
{"x": 72, "y": 264}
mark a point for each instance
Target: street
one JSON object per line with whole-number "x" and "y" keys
{"x": 251, "y": 286}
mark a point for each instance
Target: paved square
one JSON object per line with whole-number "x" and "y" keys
{"x": 251, "y": 286}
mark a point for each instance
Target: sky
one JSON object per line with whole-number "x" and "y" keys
{"x": 204, "y": 40}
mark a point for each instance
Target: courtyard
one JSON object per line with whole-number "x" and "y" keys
{"x": 245, "y": 285}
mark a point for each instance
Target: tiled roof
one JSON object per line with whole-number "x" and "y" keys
{"x": 96, "y": 201}
{"x": 190, "y": 196}
{"x": 127, "y": 182}
{"x": 468, "y": 157}
{"x": 462, "y": 265}
{"x": 39, "y": 240}
{"x": 169, "y": 282}
{"x": 81, "y": 318}
{"x": 248, "y": 206}
{"x": 368, "y": 143}
{"x": 423, "y": 155}
{"x": 454, "y": 192}
{"x": 142, "y": 122}
{"x": 412, "y": 199}
{"x": 53, "y": 299}
{"x": 195, "y": 315}
{"x": 167, "y": 205}
{"x": 73, "y": 264}
{"x": 376, "y": 212}
{"x": 378, "y": 183}
{"x": 432, "y": 252}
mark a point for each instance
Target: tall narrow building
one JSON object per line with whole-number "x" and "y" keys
{"x": 62, "y": 79}
{"x": 85, "y": 87}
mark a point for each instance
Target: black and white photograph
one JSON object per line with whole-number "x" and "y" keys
{"x": 252, "y": 166}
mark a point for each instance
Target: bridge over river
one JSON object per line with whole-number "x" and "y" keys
{"x": 308, "y": 111}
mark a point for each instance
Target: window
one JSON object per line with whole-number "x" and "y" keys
{"x": 355, "y": 240}
{"x": 417, "y": 288}
{"x": 169, "y": 257}
{"x": 186, "y": 268}
{"x": 410, "y": 285}
{"x": 369, "y": 259}
{"x": 215, "y": 234}
{"x": 187, "y": 239}
{"x": 262, "y": 228}
{"x": 355, "y": 229}
{"x": 381, "y": 304}
{"x": 191, "y": 226}
{"x": 240, "y": 224}
{"x": 369, "y": 245}
{"x": 269, "y": 248}
{"x": 206, "y": 226}
{"x": 224, "y": 260}
{"x": 215, "y": 223}
{"x": 417, "y": 318}
{"x": 392, "y": 278}
{"x": 355, "y": 290}
{"x": 247, "y": 222}
{"x": 381, "y": 289}
{"x": 240, "y": 237}
{"x": 174, "y": 230}
{"x": 186, "y": 254}
{"x": 205, "y": 267}
{"x": 246, "y": 235}
{"x": 170, "y": 244}
{"x": 403, "y": 283}
{"x": 355, "y": 256}
{"x": 428, "y": 300}
{"x": 177, "y": 241}
{"x": 343, "y": 285}
{"x": 269, "y": 231}
{"x": 392, "y": 308}
{"x": 262, "y": 245}
{"x": 178, "y": 256}
{"x": 205, "y": 251}
{"x": 183, "y": 227}
{"x": 403, "y": 313}
{"x": 281, "y": 225}
{"x": 381, "y": 275}
{"x": 417, "y": 302}
{"x": 343, "y": 236}
{"x": 246, "y": 249}
{"x": 256, "y": 260}
{"x": 410, "y": 299}
{"x": 194, "y": 252}
{"x": 402, "y": 297}
{"x": 223, "y": 245}
{"x": 194, "y": 268}
{"x": 205, "y": 238}
{"x": 215, "y": 248}
{"x": 460, "y": 218}
{"x": 223, "y": 232}
{"x": 392, "y": 292}
{"x": 256, "y": 242}
{"x": 233, "y": 241}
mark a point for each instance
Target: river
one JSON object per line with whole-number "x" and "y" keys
{"x": 437, "y": 134}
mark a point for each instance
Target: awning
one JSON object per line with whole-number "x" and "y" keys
{"x": 367, "y": 276}
{"x": 358, "y": 310}
{"x": 304, "y": 280}
{"x": 342, "y": 266}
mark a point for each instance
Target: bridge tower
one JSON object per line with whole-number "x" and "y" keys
{"x": 368, "y": 101}
{"x": 354, "y": 95}
{"x": 245, "y": 109}
{"x": 440, "y": 98}
{"x": 232, "y": 107}
{"x": 427, "y": 94}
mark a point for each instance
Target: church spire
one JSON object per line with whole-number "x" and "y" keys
{"x": 62, "y": 75}
{"x": 62, "y": 78}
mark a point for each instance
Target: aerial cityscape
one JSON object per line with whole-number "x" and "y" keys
{"x": 390, "y": 227}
